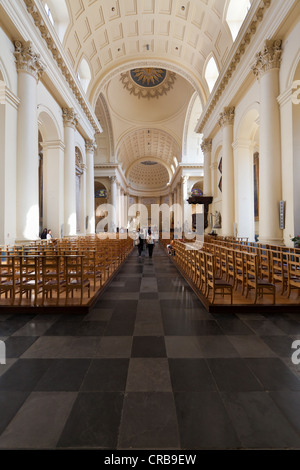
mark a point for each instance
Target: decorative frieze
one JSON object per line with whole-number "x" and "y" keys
{"x": 267, "y": 59}
{"x": 69, "y": 117}
{"x": 227, "y": 117}
{"x": 27, "y": 60}
{"x": 206, "y": 145}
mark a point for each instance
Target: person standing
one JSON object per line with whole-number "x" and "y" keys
{"x": 150, "y": 243}
{"x": 44, "y": 234}
{"x": 139, "y": 242}
{"x": 49, "y": 235}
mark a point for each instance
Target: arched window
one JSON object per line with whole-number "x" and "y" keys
{"x": 211, "y": 73}
{"x": 58, "y": 14}
{"x": 236, "y": 13}
{"x": 172, "y": 168}
{"x": 175, "y": 161}
{"x": 84, "y": 74}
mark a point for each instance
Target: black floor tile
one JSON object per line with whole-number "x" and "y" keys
{"x": 191, "y": 375}
{"x": 264, "y": 327}
{"x": 94, "y": 421}
{"x": 8, "y": 327}
{"x": 289, "y": 404}
{"x": 148, "y": 295}
{"x": 281, "y": 345}
{"x": 64, "y": 375}
{"x": 148, "y": 346}
{"x": 273, "y": 374}
{"x": 10, "y": 402}
{"x": 258, "y": 422}
{"x": 62, "y": 328}
{"x": 17, "y": 345}
{"x": 106, "y": 375}
{"x": 234, "y": 327}
{"x": 290, "y": 327}
{"x": 204, "y": 422}
{"x": 149, "y": 421}
{"x": 191, "y": 327}
{"x": 232, "y": 374}
{"x": 24, "y": 374}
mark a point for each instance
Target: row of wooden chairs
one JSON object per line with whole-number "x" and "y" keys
{"x": 59, "y": 268}
{"x": 220, "y": 269}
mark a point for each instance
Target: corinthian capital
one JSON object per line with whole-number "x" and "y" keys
{"x": 267, "y": 59}
{"x": 27, "y": 60}
{"x": 227, "y": 117}
{"x": 90, "y": 145}
{"x": 206, "y": 145}
{"x": 69, "y": 117}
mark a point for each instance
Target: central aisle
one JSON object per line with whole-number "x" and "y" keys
{"x": 149, "y": 368}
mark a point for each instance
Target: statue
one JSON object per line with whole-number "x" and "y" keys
{"x": 217, "y": 223}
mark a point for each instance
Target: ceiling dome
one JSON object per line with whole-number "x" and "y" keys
{"x": 148, "y": 174}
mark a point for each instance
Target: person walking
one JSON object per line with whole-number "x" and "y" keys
{"x": 150, "y": 243}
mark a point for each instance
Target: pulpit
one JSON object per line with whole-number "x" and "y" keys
{"x": 205, "y": 200}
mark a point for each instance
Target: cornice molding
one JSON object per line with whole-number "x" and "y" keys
{"x": 57, "y": 54}
{"x": 233, "y": 63}
{"x": 53, "y": 145}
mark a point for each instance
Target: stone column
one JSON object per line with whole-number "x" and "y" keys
{"x": 53, "y": 184}
{"x": 70, "y": 121}
{"x": 8, "y": 161}
{"x": 266, "y": 69}
{"x": 30, "y": 69}
{"x": 90, "y": 148}
{"x": 226, "y": 122}
{"x": 206, "y": 149}
{"x": 113, "y": 190}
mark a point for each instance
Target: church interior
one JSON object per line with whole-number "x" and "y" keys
{"x": 149, "y": 224}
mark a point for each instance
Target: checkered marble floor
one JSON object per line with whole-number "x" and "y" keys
{"x": 149, "y": 368}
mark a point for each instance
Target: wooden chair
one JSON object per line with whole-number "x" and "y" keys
{"x": 293, "y": 272}
{"x": 260, "y": 286}
{"x": 53, "y": 276}
{"x": 240, "y": 270}
{"x": 8, "y": 281}
{"x": 215, "y": 284}
{"x": 74, "y": 275}
{"x": 30, "y": 276}
{"x": 279, "y": 264}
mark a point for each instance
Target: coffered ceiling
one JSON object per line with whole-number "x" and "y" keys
{"x": 115, "y": 37}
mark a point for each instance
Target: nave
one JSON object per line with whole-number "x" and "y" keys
{"x": 149, "y": 368}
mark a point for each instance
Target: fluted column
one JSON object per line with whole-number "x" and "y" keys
{"x": 113, "y": 190}
{"x": 226, "y": 122}
{"x": 266, "y": 69}
{"x": 206, "y": 149}
{"x": 90, "y": 148}
{"x": 30, "y": 69}
{"x": 70, "y": 121}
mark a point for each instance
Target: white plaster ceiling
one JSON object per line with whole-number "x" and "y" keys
{"x": 115, "y": 36}
{"x": 109, "y": 32}
{"x": 144, "y": 176}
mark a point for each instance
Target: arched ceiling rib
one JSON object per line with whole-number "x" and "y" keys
{"x": 148, "y": 143}
{"x": 110, "y": 32}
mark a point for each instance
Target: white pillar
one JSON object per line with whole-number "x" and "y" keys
{"x": 90, "y": 147}
{"x": 266, "y": 68}
{"x": 8, "y": 169}
{"x": 30, "y": 69}
{"x": 53, "y": 161}
{"x": 70, "y": 121}
{"x": 226, "y": 122}
{"x": 206, "y": 149}
{"x": 113, "y": 190}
